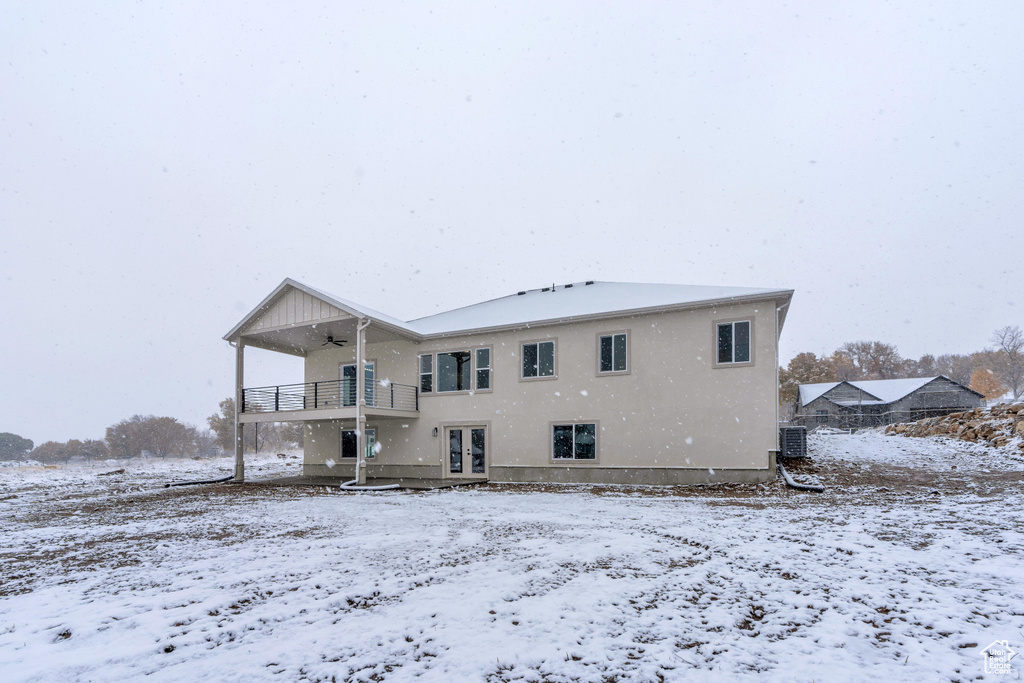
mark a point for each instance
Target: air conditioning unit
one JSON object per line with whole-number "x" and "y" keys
{"x": 793, "y": 442}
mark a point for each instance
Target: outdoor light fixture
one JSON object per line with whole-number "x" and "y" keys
{"x": 435, "y": 431}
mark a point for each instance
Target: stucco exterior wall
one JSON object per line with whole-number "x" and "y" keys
{"x": 674, "y": 409}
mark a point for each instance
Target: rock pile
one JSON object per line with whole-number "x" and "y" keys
{"x": 997, "y": 426}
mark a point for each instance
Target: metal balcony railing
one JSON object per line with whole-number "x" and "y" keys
{"x": 336, "y": 393}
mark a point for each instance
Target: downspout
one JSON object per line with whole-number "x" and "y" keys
{"x": 778, "y": 335}
{"x": 360, "y": 402}
{"x": 359, "y": 483}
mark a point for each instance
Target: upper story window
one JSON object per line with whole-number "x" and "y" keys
{"x": 453, "y": 371}
{"x": 426, "y": 373}
{"x": 483, "y": 369}
{"x": 612, "y": 353}
{"x": 538, "y": 360}
{"x": 733, "y": 342}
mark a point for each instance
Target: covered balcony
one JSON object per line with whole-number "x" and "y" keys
{"x": 299, "y": 321}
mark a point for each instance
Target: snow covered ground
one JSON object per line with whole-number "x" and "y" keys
{"x": 905, "y": 568}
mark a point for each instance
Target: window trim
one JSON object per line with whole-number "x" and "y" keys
{"x": 489, "y": 368}
{"x": 714, "y": 342}
{"x": 554, "y": 349}
{"x": 341, "y": 444}
{"x": 420, "y": 374}
{"x": 366, "y": 361}
{"x": 574, "y": 461}
{"x": 629, "y": 353}
{"x": 437, "y": 386}
{"x": 472, "y": 365}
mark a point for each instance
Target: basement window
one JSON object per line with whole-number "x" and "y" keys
{"x": 575, "y": 441}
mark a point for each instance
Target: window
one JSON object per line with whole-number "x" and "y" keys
{"x": 349, "y": 443}
{"x": 483, "y": 369}
{"x": 822, "y": 417}
{"x": 576, "y": 441}
{"x": 426, "y": 373}
{"x": 539, "y": 359}
{"x": 612, "y": 353}
{"x": 348, "y": 383}
{"x": 734, "y": 342}
{"x": 453, "y": 371}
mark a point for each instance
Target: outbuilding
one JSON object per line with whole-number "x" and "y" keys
{"x": 871, "y": 403}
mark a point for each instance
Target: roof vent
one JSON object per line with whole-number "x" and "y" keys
{"x": 520, "y": 293}
{"x": 546, "y": 289}
{"x": 590, "y": 282}
{"x": 568, "y": 286}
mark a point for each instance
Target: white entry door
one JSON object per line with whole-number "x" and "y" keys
{"x": 466, "y": 451}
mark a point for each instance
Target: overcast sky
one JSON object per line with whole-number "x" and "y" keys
{"x": 164, "y": 167}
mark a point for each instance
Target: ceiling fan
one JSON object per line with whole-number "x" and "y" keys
{"x": 336, "y": 342}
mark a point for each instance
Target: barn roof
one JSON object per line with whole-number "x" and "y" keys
{"x": 883, "y": 390}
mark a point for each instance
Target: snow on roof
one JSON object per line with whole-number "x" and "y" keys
{"x": 579, "y": 300}
{"x": 885, "y": 390}
{"x": 539, "y": 306}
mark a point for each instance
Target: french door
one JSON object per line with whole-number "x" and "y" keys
{"x": 348, "y": 384}
{"x": 466, "y": 452}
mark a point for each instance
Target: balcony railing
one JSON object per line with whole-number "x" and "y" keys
{"x": 337, "y": 393}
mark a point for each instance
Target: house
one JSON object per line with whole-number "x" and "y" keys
{"x": 584, "y": 382}
{"x": 872, "y": 403}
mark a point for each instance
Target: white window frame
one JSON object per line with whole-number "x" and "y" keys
{"x": 421, "y": 374}
{"x": 613, "y": 371}
{"x": 750, "y": 341}
{"x": 489, "y": 368}
{"x": 573, "y": 423}
{"x": 554, "y": 359}
{"x": 437, "y": 384}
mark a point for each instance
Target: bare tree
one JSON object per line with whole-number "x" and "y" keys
{"x": 1009, "y": 368}
{"x": 805, "y": 368}
{"x": 874, "y": 360}
{"x": 956, "y": 367}
{"x": 258, "y": 436}
{"x": 163, "y": 436}
{"x": 223, "y": 424}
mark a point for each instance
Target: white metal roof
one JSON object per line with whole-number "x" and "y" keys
{"x": 542, "y": 306}
{"x": 581, "y": 300}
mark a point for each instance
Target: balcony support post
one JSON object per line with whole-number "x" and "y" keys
{"x": 361, "y": 401}
{"x": 239, "y": 408}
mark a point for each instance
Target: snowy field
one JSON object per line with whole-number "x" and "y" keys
{"x": 904, "y": 569}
